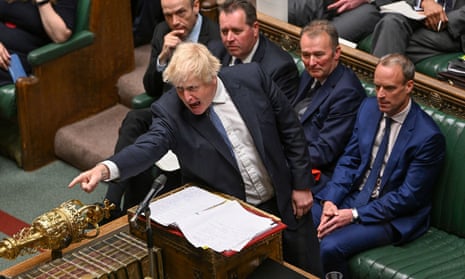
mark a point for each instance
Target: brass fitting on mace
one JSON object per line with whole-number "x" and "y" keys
{"x": 71, "y": 222}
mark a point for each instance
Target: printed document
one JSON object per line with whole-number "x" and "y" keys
{"x": 402, "y": 7}
{"x": 208, "y": 220}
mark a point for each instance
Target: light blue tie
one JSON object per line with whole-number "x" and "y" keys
{"x": 374, "y": 178}
{"x": 220, "y": 128}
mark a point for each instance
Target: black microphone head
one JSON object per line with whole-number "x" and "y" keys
{"x": 161, "y": 179}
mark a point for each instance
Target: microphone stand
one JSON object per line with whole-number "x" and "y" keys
{"x": 145, "y": 207}
{"x": 149, "y": 235}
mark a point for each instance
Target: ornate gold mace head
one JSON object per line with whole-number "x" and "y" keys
{"x": 71, "y": 222}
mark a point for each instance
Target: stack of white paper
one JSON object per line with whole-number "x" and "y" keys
{"x": 402, "y": 7}
{"x": 208, "y": 220}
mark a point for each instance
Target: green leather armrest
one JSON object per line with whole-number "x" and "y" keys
{"x": 52, "y": 51}
{"x": 7, "y": 102}
{"x": 142, "y": 101}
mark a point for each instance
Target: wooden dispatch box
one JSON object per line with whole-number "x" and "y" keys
{"x": 182, "y": 260}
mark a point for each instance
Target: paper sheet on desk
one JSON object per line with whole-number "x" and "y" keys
{"x": 227, "y": 227}
{"x": 182, "y": 204}
{"x": 209, "y": 220}
{"x": 402, "y": 7}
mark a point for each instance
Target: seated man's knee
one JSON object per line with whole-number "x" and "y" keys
{"x": 329, "y": 249}
{"x": 393, "y": 20}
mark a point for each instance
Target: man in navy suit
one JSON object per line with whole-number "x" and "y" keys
{"x": 257, "y": 151}
{"x": 242, "y": 42}
{"x": 327, "y": 112}
{"x": 183, "y": 22}
{"x": 356, "y": 214}
{"x": 239, "y": 32}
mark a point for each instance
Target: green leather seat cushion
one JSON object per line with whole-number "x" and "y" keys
{"x": 436, "y": 254}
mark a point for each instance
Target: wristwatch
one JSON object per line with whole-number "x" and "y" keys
{"x": 41, "y": 2}
{"x": 355, "y": 217}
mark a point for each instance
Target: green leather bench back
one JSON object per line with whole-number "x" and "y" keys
{"x": 449, "y": 198}
{"x": 430, "y": 66}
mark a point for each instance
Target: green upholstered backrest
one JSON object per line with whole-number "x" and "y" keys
{"x": 448, "y": 212}
{"x": 298, "y": 61}
{"x": 438, "y": 63}
{"x": 430, "y": 66}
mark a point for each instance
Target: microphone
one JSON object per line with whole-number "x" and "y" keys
{"x": 157, "y": 186}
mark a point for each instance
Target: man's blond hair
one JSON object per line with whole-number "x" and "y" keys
{"x": 191, "y": 60}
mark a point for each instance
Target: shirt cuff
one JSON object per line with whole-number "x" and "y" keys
{"x": 112, "y": 168}
{"x": 160, "y": 68}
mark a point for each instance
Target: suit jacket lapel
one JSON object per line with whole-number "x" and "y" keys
{"x": 304, "y": 85}
{"x": 205, "y": 127}
{"x": 260, "y": 52}
{"x": 372, "y": 124}
{"x": 323, "y": 92}
{"x": 226, "y": 60}
{"x": 241, "y": 99}
{"x": 318, "y": 97}
{"x": 398, "y": 149}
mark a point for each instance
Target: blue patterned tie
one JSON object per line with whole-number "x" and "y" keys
{"x": 374, "y": 178}
{"x": 220, "y": 128}
{"x": 237, "y": 61}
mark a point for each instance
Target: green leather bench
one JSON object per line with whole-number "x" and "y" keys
{"x": 430, "y": 66}
{"x": 81, "y": 37}
{"x": 440, "y": 252}
{"x": 9, "y": 131}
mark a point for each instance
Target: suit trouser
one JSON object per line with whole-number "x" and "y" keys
{"x": 356, "y": 24}
{"x": 397, "y": 34}
{"x": 300, "y": 245}
{"x": 352, "y": 25}
{"x": 337, "y": 247}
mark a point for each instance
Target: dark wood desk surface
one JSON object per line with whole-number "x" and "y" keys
{"x": 109, "y": 228}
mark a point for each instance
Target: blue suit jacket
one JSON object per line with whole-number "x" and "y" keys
{"x": 411, "y": 171}
{"x": 329, "y": 118}
{"x": 204, "y": 156}
{"x": 275, "y": 62}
